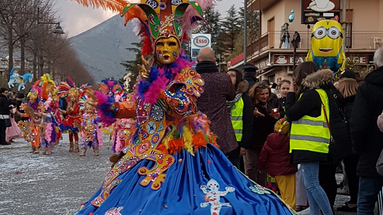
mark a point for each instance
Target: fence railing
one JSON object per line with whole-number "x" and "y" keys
{"x": 355, "y": 40}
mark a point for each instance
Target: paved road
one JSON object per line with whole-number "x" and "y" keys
{"x": 48, "y": 185}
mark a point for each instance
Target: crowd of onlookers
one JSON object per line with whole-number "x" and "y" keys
{"x": 292, "y": 139}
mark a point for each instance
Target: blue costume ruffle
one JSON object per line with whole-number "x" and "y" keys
{"x": 190, "y": 187}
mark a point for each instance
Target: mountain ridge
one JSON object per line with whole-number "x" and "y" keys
{"x": 103, "y": 48}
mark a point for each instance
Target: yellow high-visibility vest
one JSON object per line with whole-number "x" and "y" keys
{"x": 312, "y": 133}
{"x": 237, "y": 119}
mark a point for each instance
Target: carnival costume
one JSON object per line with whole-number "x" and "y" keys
{"x": 72, "y": 120}
{"x": 122, "y": 129}
{"x": 171, "y": 165}
{"x": 48, "y": 125}
{"x": 30, "y": 129}
{"x": 90, "y": 133}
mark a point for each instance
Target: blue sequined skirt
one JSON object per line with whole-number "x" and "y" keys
{"x": 206, "y": 183}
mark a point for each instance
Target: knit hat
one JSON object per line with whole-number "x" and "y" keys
{"x": 348, "y": 74}
{"x": 249, "y": 68}
{"x": 282, "y": 126}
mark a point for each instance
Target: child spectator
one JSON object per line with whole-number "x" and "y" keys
{"x": 275, "y": 157}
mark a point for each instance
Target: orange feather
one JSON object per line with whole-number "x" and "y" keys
{"x": 135, "y": 12}
{"x": 113, "y": 5}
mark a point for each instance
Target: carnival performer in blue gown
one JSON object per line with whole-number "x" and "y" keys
{"x": 172, "y": 164}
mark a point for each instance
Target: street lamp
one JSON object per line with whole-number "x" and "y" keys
{"x": 57, "y": 30}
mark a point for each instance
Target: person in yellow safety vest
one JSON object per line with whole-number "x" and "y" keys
{"x": 307, "y": 106}
{"x": 241, "y": 110}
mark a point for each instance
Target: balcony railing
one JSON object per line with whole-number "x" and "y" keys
{"x": 354, "y": 41}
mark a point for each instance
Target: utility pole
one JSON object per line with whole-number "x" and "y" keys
{"x": 38, "y": 43}
{"x": 344, "y": 25}
{"x": 245, "y": 34}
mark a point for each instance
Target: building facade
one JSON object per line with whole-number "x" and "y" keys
{"x": 363, "y": 34}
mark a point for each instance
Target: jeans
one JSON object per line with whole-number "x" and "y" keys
{"x": 368, "y": 194}
{"x": 315, "y": 194}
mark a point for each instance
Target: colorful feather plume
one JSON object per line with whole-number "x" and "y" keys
{"x": 110, "y": 87}
{"x": 113, "y": 5}
{"x": 65, "y": 86}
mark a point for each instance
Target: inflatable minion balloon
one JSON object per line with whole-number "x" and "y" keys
{"x": 327, "y": 46}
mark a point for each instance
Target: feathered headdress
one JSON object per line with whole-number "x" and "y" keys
{"x": 35, "y": 91}
{"x": 48, "y": 86}
{"x": 68, "y": 88}
{"x": 158, "y": 18}
{"x": 110, "y": 87}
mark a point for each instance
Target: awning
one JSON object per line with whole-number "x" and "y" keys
{"x": 267, "y": 72}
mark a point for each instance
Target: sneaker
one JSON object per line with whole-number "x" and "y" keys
{"x": 305, "y": 211}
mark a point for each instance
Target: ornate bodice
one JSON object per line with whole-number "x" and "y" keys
{"x": 163, "y": 128}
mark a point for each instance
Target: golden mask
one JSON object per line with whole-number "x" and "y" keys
{"x": 73, "y": 92}
{"x": 167, "y": 50}
{"x": 33, "y": 96}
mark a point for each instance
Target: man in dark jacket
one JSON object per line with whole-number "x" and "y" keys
{"x": 250, "y": 72}
{"x": 4, "y": 115}
{"x": 367, "y": 138}
{"x": 217, "y": 90}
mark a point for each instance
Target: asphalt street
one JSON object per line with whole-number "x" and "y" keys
{"x": 57, "y": 184}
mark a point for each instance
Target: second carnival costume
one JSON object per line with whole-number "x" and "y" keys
{"x": 72, "y": 120}
{"x": 90, "y": 133}
{"x": 171, "y": 165}
{"x": 42, "y": 129}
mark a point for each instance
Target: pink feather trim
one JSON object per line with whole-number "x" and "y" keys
{"x": 151, "y": 95}
{"x": 48, "y": 132}
{"x": 99, "y": 137}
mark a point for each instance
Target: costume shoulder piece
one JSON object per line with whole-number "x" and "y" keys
{"x": 192, "y": 81}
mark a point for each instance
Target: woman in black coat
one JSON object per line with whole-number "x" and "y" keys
{"x": 266, "y": 115}
{"x": 348, "y": 87}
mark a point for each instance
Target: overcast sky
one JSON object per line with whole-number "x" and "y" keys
{"x": 76, "y": 19}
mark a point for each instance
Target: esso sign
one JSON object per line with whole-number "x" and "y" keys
{"x": 201, "y": 41}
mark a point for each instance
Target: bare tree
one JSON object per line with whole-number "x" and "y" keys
{"x": 8, "y": 13}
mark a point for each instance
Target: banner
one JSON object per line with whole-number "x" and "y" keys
{"x": 317, "y": 10}
{"x": 199, "y": 41}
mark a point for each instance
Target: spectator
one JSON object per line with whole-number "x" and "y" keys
{"x": 348, "y": 86}
{"x": 283, "y": 88}
{"x": 276, "y": 157}
{"x": 285, "y": 36}
{"x": 12, "y": 131}
{"x": 4, "y": 115}
{"x": 217, "y": 90}
{"x": 265, "y": 116}
{"x": 12, "y": 98}
{"x": 310, "y": 134}
{"x": 273, "y": 98}
{"x": 367, "y": 138}
{"x": 241, "y": 109}
{"x": 250, "y": 72}
{"x": 296, "y": 40}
